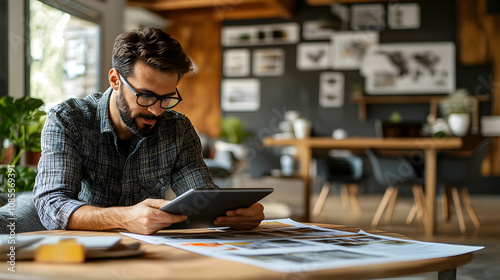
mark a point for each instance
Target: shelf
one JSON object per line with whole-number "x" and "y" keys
{"x": 432, "y": 100}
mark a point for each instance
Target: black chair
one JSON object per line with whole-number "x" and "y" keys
{"x": 221, "y": 165}
{"x": 461, "y": 171}
{"x": 344, "y": 170}
{"x": 392, "y": 173}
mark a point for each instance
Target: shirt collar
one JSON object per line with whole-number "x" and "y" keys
{"x": 103, "y": 112}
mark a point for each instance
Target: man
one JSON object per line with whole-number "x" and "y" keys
{"x": 108, "y": 160}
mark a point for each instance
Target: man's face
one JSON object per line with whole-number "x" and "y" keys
{"x": 145, "y": 80}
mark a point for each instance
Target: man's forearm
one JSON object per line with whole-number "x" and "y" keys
{"x": 96, "y": 218}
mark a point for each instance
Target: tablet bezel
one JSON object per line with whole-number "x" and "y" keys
{"x": 203, "y": 206}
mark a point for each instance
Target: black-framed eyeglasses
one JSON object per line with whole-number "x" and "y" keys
{"x": 147, "y": 99}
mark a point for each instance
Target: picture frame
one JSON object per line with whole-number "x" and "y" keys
{"x": 403, "y": 16}
{"x": 368, "y": 17}
{"x": 331, "y": 89}
{"x": 236, "y": 63}
{"x": 410, "y": 68}
{"x": 263, "y": 34}
{"x": 312, "y": 30}
{"x": 313, "y": 56}
{"x": 268, "y": 62}
{"x": 348, "y": 48}
{"x": 240, "y": 95}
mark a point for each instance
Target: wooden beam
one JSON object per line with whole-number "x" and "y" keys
{"x": 490, "y": 23}
{"x": 283, "y": 7}
{"x": 166, "y": 5}
{"x": 190, "y": 10}
{"x": 328, "y": 2}
{"x": 218, "y": 15}
{"x": 472, "y": 36}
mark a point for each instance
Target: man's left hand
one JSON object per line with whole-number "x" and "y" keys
{"x": 243, "y": 218}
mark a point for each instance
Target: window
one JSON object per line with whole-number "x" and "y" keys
{"x": 64, "y": 52}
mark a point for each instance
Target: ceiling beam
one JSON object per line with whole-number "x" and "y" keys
{"x": 328, "y": 2}
{"x": 218, "y": 10}
{"x": 166, "y": 5}
{"x": 284, "y": 7}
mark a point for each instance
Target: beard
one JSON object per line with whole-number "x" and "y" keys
{"x": 131, "y": 121}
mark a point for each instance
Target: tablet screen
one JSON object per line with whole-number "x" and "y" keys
{"x": 203, "y": 206}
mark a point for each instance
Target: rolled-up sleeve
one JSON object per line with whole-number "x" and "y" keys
{"x": 58, "y": 181}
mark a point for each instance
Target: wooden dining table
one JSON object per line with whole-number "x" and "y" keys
{"x": 429, "y": 146}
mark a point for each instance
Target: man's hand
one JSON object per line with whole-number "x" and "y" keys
{"x": 146, "y": 218}
{"x": 243, "y": 218}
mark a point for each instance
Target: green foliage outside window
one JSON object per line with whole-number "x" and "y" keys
{"x": 20, "y": 129}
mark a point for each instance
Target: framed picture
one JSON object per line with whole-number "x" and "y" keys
{"x": 331, "y": 89}
{"x": 312, "y": 30}
{"x": 403, "y": 16}
{"x": 268, "y": 62}
{"x": 349, "y": 48}
{"x": 236, "y": 63}
{"x": 313, "y": 56}
{"x": 368, "y": 16}
{"x": 264, "y": 34}
{"x": 240, "y": 95}
{"x": 407, "y": 68}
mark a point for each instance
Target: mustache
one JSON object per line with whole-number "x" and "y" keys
{"x": 148, "y": 117}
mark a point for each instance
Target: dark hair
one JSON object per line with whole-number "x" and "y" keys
{"x": 152, "y": 46}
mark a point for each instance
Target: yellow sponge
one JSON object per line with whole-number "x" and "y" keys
{"x": 66, "y": 251}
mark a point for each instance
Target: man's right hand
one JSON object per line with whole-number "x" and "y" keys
{"x": 143, "y": 218}
{"x": 146, "y": 217}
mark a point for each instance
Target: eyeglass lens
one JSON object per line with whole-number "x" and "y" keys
{"x": 148, "y": 100}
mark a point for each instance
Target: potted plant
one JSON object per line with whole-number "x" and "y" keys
{"x": 232, "y": 136}
{"x": 20, "y": 131}
{"x": 456, "y": 107}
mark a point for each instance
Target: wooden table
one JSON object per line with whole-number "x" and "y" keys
{"x": 164, "y": 262}
{"x": 428, "y": 144}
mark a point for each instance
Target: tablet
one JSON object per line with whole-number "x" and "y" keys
{"x": 203, "y": 206}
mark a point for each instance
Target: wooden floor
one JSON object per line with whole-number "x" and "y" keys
{"x": 484, "y": 266}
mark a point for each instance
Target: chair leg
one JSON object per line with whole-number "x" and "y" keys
{"x": 412, "y": 214}
{"x": 390, "y": 207}
{"x": 383, "y": 204}
{"x": 458, "y": 209}
{"x": 353, "y": 198}
{"x": 469, "y": 208}
{"x": 446, "y": 201}
{"x": 421, "y": 195}
{"x": 418, "y": 207}
{"x": 344, "y": 195}
{"x": 320, "y": 203}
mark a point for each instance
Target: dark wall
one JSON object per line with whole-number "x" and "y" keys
{"x": 4, "y": 48}
{"x": 298, "y": 90}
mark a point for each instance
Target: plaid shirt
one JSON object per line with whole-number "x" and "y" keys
{"x": 81, "y": 162}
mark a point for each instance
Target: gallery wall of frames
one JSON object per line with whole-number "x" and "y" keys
{"x": 273, "y": 66}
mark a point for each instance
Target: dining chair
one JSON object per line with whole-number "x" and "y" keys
{"x": 456, "y": 172}
{"x": 392, "y": 173}
{"x": 346, "y": 170}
